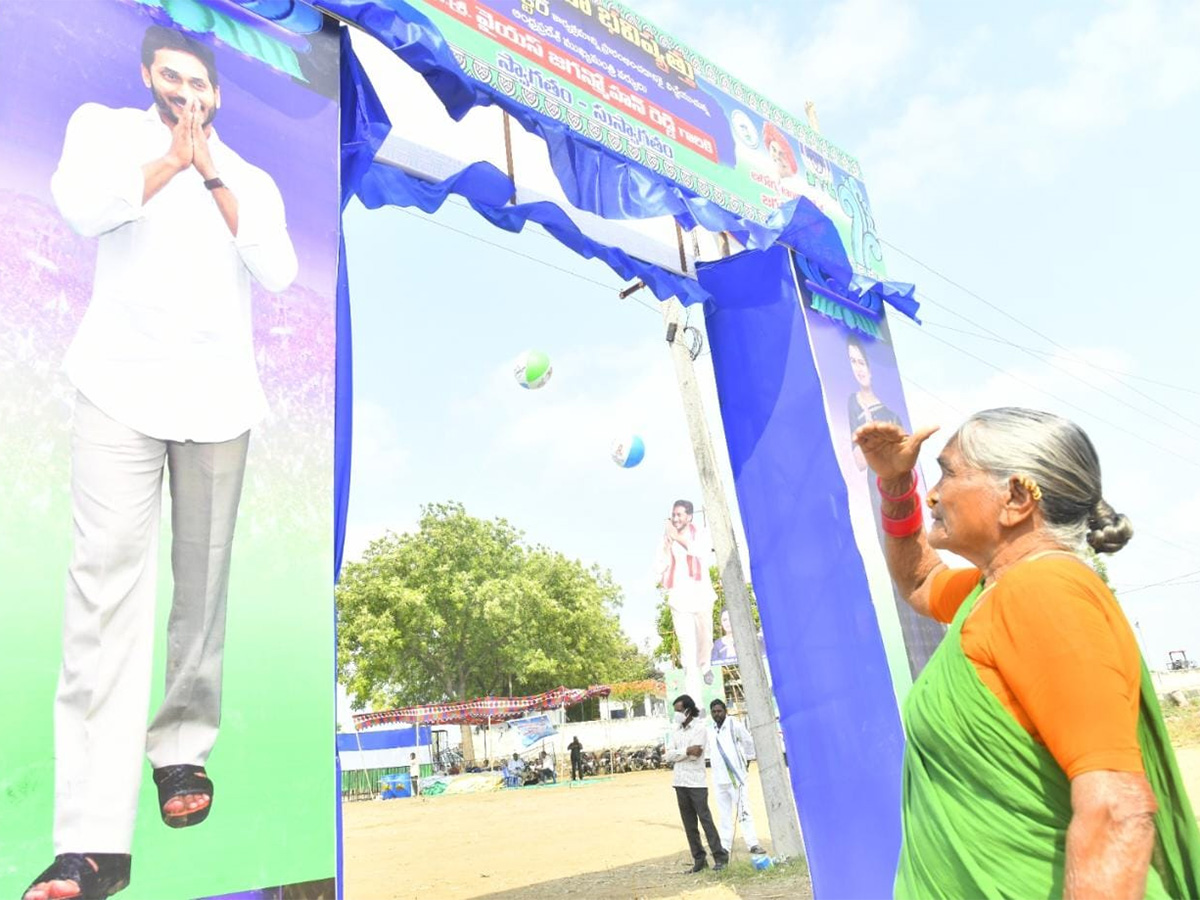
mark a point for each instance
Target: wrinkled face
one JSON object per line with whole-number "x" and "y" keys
{"x": 966, "y": 506}
{"x": 177, "y": 80}
{"x": 860, "y": 367}
{"x": 680, "y": 518}
{"x": 718, "y": 714}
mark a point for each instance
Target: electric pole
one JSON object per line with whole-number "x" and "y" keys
{"x": 777, "y": 791}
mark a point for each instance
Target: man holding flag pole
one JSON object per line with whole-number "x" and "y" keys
{"x": 730, "y": 749}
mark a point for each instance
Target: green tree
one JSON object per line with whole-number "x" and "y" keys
{"x": 464, "y": 608}
{"x": 668, "y": 643}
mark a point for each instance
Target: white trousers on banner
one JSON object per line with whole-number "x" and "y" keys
{"x": 103, "y": 697}
{"x": 733, "y": 803}
{"x": 695, "y": 635}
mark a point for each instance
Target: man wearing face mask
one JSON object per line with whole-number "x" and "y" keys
{"x": 167, "y": 383}
{"x": 685, "y": 751}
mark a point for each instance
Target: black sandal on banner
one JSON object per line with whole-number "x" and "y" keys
{"x": 97, "y": 876}
{"x": 182, "y": 781}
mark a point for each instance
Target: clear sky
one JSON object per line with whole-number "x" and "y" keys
{"x": 1044, "y": 159}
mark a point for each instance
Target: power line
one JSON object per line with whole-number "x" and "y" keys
{"x": 541, "y": 262}
{"x": 1190, "y": 551}
{"x": 991, "y": 365}
{"x": 998, "y": 338}
{"x": 1166, "y": 582}
{"x": 995, "y": 336}
{"x": 1091, "y": 365}
{"x": 931, "y": 394}
{"x": 708, "y": 349}
{"x": 979, "y": 359}
{"x": 999, "y": 309}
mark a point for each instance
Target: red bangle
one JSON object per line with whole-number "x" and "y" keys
{"x": 906, "y": 527}
{"x": 911, "y": 492}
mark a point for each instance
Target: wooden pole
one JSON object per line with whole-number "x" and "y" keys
{"x": 777, "y": 792}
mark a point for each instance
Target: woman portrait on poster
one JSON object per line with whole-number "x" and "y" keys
{"x": 723, "y": 652}
{"x": 864, "y": 406}
{"x": 920, "y": 634}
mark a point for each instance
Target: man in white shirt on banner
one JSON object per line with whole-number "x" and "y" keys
{"x": 167, "y": 383}
{"x": 730, "y": 750}
{"x": 683, "y": 560}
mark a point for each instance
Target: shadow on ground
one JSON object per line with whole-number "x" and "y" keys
{"x": 665, "y": 877}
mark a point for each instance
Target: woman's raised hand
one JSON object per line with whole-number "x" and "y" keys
{"x": 889, "y": 450}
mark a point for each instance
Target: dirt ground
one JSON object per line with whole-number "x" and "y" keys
{"x": 616, "y": 837}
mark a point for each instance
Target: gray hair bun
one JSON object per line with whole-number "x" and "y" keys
{"x": 1108, "y": 530}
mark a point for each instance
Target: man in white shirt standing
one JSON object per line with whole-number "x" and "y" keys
{"x": 685, "y": 750}
{"x": 164, "y": 366}
{"x": 730, "y": 749}
{"x": 414, "y": 774}
{"x": 683, "y": 560}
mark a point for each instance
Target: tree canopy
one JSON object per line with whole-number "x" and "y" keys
{"x": 464, "y": 608}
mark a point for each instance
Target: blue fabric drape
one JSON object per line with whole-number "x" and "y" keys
{"x": 826, "y": 651}
{"x": 601, "y": 181}
{"x": 594, "y": 178}
{"x": 363, "y": 126}
{"x": 828, "y": 666}
{"x": 487, "y": 189}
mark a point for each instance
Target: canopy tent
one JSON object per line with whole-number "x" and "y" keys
{"x": 482, "y": 711}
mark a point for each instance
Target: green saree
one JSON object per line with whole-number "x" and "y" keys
{"x": 986, "y": 807}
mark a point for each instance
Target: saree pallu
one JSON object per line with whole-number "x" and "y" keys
{"x": 986, "y": 807}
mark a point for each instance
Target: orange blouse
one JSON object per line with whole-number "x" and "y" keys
{"x": 1051, "y": 642}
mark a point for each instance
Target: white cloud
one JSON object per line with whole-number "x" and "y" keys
{"x": 379, "y": 457}
{"x": 1136, "y": 54}
{"x": 379, "y": 464}
{"x": 849, "y": 50}
{"x": 950, "y": 69}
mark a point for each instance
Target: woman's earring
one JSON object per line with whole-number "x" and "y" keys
{"x": 1031, "y": 486}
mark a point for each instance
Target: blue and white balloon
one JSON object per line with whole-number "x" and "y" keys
{"x": 628, "y": 450}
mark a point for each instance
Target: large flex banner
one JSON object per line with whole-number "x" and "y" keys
{"x": 611, "y": 76}
{"x": 860, "y": 383}
{"x": 168, "y": 251}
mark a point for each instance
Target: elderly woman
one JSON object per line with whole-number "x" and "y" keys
{"x": 1037, "y": 764}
